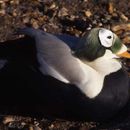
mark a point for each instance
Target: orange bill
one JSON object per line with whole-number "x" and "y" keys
{"x": 124, "y": 54}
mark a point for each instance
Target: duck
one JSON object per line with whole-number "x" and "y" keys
{"x": 64, "y": 76}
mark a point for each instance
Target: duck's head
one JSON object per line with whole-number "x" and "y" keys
{"x": 95, "y": 44}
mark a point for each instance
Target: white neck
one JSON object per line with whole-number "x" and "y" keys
{"x": 106, "y": 64}
{"x": 99, "y": 68}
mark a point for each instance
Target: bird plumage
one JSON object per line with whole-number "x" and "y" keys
{"x": 31, "y": 83}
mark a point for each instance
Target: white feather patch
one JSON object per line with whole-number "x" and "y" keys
{"x": 48, "y": 70}
{"x": 106, "y": 37}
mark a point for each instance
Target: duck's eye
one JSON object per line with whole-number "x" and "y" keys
{"x": 109, "y": 37}
{"x": 106, "y": 37}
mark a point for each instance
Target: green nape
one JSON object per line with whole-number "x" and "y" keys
{"x": 91, "y": 47}
{"x": 117, "y": 45}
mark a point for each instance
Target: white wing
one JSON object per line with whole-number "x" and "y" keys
{"x": 55, "y": 57}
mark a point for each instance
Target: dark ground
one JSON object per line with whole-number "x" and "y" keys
{"x": 73, "y": 17}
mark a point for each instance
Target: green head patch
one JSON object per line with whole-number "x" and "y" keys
{"x": 89, "y": 46}
{"x": 94, "y": 44}
{"x": 117, "y": 44}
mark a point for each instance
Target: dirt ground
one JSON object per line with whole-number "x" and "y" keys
{"x": 74, "y": 17}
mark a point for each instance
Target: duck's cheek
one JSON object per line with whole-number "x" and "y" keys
{"x": 123, "y": 52}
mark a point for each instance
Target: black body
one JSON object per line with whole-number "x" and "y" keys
{"x": 24, "y": 90}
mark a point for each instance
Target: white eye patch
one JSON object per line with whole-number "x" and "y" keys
{"x": 106, "y": 37}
